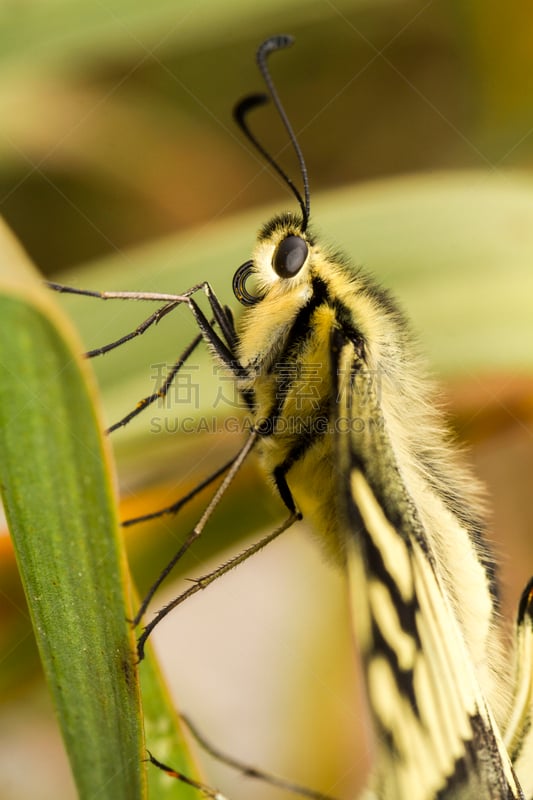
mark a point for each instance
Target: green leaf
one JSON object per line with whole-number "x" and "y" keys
{"x": 58, "y": 492}
{"x": 164, "y": 736}
{"x": 58, "y": 495}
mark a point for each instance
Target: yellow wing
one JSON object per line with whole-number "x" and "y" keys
{"x": 518, "y": 734}
{"x": 436, "y": 737}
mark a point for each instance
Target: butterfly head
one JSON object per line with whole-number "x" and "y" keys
{"x": 280, "y": 262}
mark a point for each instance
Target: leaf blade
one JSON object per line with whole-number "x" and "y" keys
{"x": 58, "y": 495}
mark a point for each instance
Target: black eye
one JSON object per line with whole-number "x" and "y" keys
{"x": 290, "y": 256}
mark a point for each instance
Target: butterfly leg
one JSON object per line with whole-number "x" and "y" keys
{"x": 206, "y": 580}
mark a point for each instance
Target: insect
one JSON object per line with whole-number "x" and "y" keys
{"x": 345, "y": 425}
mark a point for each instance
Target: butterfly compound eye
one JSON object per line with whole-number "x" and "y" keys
{"x": 290, "y": 256}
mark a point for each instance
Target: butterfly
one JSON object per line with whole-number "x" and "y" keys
{"x": 346, "y": 426}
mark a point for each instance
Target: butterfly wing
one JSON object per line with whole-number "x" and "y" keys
{"x": 518, "y": 735}
{"x": 435, "y": 734}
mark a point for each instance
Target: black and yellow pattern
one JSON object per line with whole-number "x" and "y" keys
{"x": 348, "y": 430}
{"x": 366, "y": 460}
{"x": 363, "y": 453}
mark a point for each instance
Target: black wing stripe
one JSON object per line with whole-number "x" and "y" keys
{"x": 519, "y": 730}
{"x": 414, "y": 691}
{"x": 433, "y": 709}
{"x": 436, "y": 736}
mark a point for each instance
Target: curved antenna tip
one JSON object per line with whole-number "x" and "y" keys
{"x": 275, "y": 43}
{"x": 246, "y": 104}
{"x": 249, "y": 102}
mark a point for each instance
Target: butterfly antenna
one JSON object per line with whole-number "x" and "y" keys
{"x": 252, "y": 101}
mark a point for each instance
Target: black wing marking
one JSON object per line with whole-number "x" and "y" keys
{"x": 518, "y": 735}
{"x": 435, "y": 734}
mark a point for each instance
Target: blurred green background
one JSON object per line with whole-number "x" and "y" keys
{"x": 120, "y": 167}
